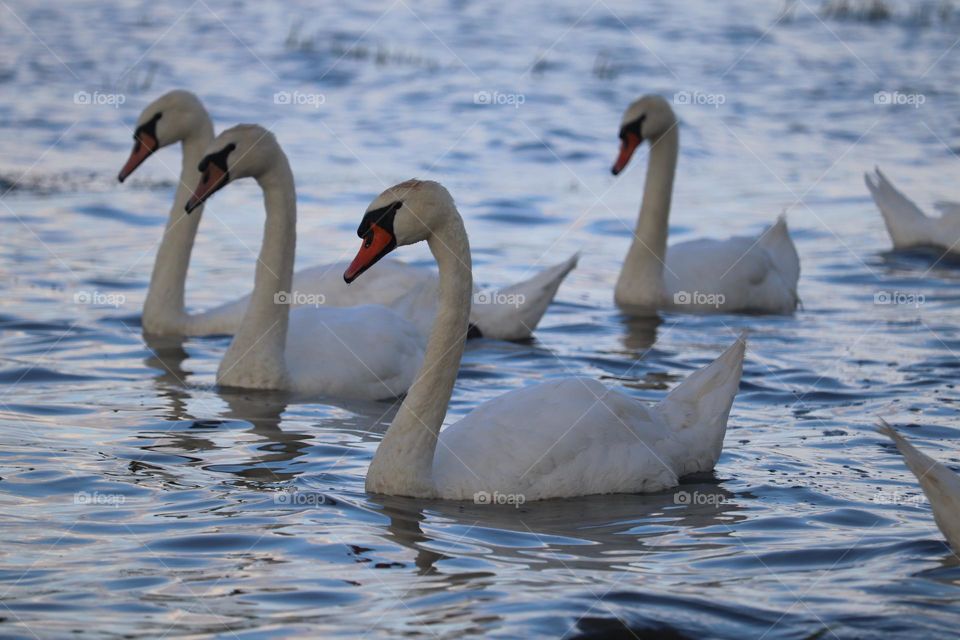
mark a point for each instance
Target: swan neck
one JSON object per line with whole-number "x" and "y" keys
{"x": 164, "y": 307}
{"x": 641, "y": 279}
{"x": 261, "y": 339}
{"x": 403, "y": 464}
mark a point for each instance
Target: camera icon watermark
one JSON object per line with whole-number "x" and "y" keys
{"x": 884, "y": 98}
{"x": 497, "y": 98}
{"x": 99, "y": 298}
{"x": 699, "y": 98}
{"x": 299, "y": 98}
{"x": 99, "y": 99}
{"x": 299, "y": 298}
{"x": 497, "y": 498}
{"x": 698, "y": 298}
{"x": 97, "y": 499}
{"x": 496, "y": 297}
{"x": 891, "y": 298}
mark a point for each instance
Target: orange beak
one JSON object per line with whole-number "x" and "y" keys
{"x": 377, "y": 243}
{"x": 144, "y": 144}
{"x": 630, "y": 143}
{"x": 212, "y": 179}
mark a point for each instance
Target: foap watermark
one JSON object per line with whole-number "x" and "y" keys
{"x": 99, "y": 298}
{"x": 497, "y": 498}
{"x": 699, "y": 299}
{"x": 497, "y": 297}
{"x": 299, "y": 298}
{"x": 699, "y": 98}
{"x": 899, "y": 98}
{"x": 302, "y": 498}
{"x": 97, "y": 499}
{"x": 499, "y": 99}
{"x": 299, "y": 98}
{"x": 99, "y": 99}
{"x": 899, "y": 498}
{"x": 891, "y": 298}
{"x": 696, "y": 498}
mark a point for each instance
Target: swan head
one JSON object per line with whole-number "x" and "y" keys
{"x": 169, "y": 119}
{"x": 243, "y": 151}
{"x": 404, "y": 214}
{"x": 647, "y": 118}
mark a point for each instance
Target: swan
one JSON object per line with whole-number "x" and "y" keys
{"x": 363, "y": 352}
{"x": 737, "y": 275}
{"x": 511, "y": 313}
{"x": 940, "y": 484}
{"x": 176, "y": 116}
{"x": 907, "y": 225}
{"x": 558, "y": 439}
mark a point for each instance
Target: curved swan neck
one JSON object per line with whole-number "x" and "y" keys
{"x": 258, "y": 348}
{"x": 641, "y": 278}
{"x": 403, "y": 464}
{"x": 163, "y": 309}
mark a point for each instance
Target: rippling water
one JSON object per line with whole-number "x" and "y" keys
{"x": 137, "y": 499}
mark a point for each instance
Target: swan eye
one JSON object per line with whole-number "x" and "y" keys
{"x": 632, "y": 127}
{"x": 147, "y": 130}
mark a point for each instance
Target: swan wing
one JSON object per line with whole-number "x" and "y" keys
{"x": 738, "y": 274}
{"x": 367, "y": 352}
{"x": 557, "y": 439}
{"x": 514, "y": 312}
{"x": 697, "y": 410}
{"x": 939, "y": 483}
{"x": 574, "y": 437}
{"x": 779, "y": 245}
{"x": 906, "y": 223}
{"x": 386, "y": 283}
{"x": 389, "y": 283}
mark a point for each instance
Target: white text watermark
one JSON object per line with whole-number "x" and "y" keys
{"x": 299, "y": 98}
{"x": 699, "y": 298}
{"x": 485, "y": 497}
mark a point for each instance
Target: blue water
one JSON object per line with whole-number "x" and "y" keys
{"x": 138, "y": 500}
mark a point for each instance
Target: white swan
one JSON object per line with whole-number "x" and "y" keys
{"x": 737, "y": 275}
{"x": 940, "y": 484}
{"x": 907, "y": 225}
{"x": 557, "y": 439}
{"x": 178, "y": 116}
{"x": 368, "y": 352}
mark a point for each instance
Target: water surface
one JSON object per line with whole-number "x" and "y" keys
{"x": 137, "y": 499}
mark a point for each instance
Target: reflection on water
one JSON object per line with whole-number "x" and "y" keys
{"x": 136, "y": 498}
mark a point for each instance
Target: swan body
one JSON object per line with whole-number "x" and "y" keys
{"x": 752, "y": 274}
{"x": 575, "y": 436}
{"x": 908, "y": 226}
{"x": 561, "y": 438}
{"x": 179, "y": 116}
{"x": 367, "y": 352}
{"x": 737, "y": 275}
{"x": 511, "y": 313}
{"x": 939, "y": 483}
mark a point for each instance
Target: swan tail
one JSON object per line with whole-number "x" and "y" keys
{"x": 698, "y": 408}
{"x": 513, "y": 313}
{"x": 939, "y": 483}
{"x": 779, "y": 245}
{"x": 905, "y": 222}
